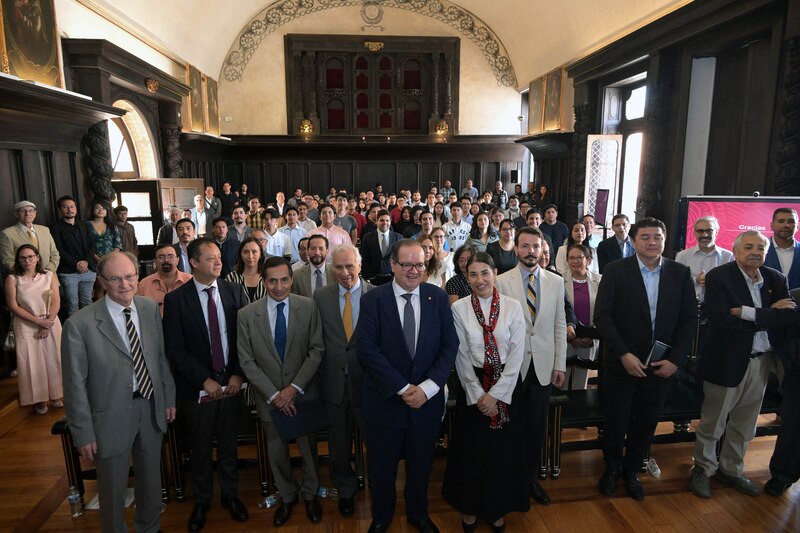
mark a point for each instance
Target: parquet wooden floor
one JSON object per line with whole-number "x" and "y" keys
{"x": 33, "y": 485}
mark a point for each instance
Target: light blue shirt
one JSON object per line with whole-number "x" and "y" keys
{"x": 294, "y": 234}
{"x": 526, "y": 278}
{"x": 272, "y": 313}
{"x": 625, "y": 248}
{"x": 651, "y": 279}
{"x": 355, "y": 301}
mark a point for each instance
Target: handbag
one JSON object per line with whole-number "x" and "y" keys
{"x": 10, "y": 344}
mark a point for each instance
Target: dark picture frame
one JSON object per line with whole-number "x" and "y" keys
{"x": 536, "y": 106}
{"x": 212, "y": 107}
{"x": 553, "y": 93}
{"x": 194, "y": 79}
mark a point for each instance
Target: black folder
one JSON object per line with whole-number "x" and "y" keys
{"x": 582, "y": 331}
{"x": 658, "y": 352}
{"x": 310, "y": 418}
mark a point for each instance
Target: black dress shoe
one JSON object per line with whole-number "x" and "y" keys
{"x": 424, "y": 526}
{"x": 197, "y": 520}
{"x": 469, "y": 528}
{"x": 498, "y": 529}
{"x": 377, "y": 527}
{"x": 236, "y": 507}
{"x": 539, "y": 494}
{"x": 634, "y": 486}
{"x": 773, "y": 487}
{"x": 284, "y": 513}
{"x": 313, "y": 510}
{"x": 346, "y": 507}
{"x": 608, "y": 482}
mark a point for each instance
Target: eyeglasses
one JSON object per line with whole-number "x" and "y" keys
{"x": 408, "y": 267}
{"x": 28, "y": 257}
{"x": 117, "y": 280}
{"x": 167, "y": 257}
{"x": 701, "y": 231}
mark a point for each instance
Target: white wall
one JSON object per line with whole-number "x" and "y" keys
{"x": 257, "y": 103}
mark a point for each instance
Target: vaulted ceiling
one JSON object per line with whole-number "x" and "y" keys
{"x": 538, "y": 35}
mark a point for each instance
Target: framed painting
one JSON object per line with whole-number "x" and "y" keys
{"x": 212, "y": 106}
{"x": 29, "y": 43}
{"x": 552, "y": 100}
{"x": 194, "y": 80}
{"x": 536, "y": 106}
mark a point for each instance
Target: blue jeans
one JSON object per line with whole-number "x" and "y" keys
{"x": 77, "y": 290}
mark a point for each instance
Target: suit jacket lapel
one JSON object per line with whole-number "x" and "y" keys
{"x": 397, "y": 328}
{"x": 637, "y": 283}
{"x": 196, "y": 309}
{"x": 106, "y": 327}
{"x": 265, "y": 329}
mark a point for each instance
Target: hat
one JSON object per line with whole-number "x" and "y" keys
{"x": 23, "y": 204}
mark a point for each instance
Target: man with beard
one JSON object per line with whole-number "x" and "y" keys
{"x": 239, "y": 231}
{"x": 185, "y": 228}
{"x": 316, "y": 273}
{"x": 784, "y": 254}
{"x": 705, "y": 255}
{"x": 165, "y": 279}
{"x": 76, "y": 246}
{"x": 542, "y": 294}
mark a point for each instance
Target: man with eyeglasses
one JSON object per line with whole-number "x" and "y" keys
{"x": 26, "y": 232}
{"x": 165, "y": 279}
{"x": 705, "y": 255}
{"x": 407, "y": 346}
{"x": 119, "y": 393}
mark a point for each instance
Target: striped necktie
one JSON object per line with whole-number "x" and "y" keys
{"x": 145, "y": 386}
{"x": 34, "y": 239}
{"x": 532, "y": 302}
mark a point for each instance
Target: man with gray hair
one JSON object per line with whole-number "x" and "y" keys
{"x": 168, "y": 234}
{"x": 747, "y": 306}
{"x": 340, "y": 373}
{"x": 26, "y": 232}
{"x": 705, "y": 255}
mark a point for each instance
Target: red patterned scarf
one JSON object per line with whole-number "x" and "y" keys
{"x": 492, "y": 368}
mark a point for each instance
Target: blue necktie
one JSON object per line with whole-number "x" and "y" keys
{"x": 280, "y": 331}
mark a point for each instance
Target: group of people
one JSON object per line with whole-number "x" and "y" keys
{"x": 361, "y": 318}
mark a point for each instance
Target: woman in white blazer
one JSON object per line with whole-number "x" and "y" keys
{"x": 580, "y": 284}
{"x": 578, "y": 235}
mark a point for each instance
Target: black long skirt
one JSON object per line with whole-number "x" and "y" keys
{"x": 486, "y": 474}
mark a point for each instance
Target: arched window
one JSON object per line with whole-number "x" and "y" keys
{"x": 132, "y": 146}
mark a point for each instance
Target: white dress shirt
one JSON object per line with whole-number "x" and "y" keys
{"x": 223, "y": 324}
{"x": 429, "y": 387}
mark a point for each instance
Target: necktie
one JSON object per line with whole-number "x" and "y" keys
{"x": 34, "y": 239}
{"x": 532, "y": 302}
{"x": 318, "y": 279}
{"x": 347, "y": 316}
{"x": 280, "y": 331}
{"x": 409, "y": 325}
{"x": 624, "y": 250}
{"x": 217, "y": 353}
{"x": 384, "y": 244}
{"x": 145, "y": 386}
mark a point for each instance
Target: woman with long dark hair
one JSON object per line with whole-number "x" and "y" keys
{"x": 503, "y": 251}
{"x": 481, "y": 233}
{"x": 247, "y": 271}
{"x": 103, "y": 229}
{"x": 484, "y": 477}
{"x": 457, "y": 287}
{"x": 578, "y": 234}
{"x": 405, "y": 220}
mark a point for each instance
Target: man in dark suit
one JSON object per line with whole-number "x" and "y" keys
{"x": 784, "y": 254}
{"x": 185, "y": 229}
{"x": 200, "y": 335}
{"x": 227, "y": 245}
{"x": 376, "y": 247}
{"x": 747, "y": 305}
{"x": 641, "y": 299}
{"x": 405, "y": 368}
{"x": 340, "y": 373}
{"x": 618, "y": 246}
{"x": 118, "y": 393}
{"x": 280, "y": 349}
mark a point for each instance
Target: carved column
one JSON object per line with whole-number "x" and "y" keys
{"x": 97, "y": 157}
{"x": 173, "y": 160}
{"x": 654, "y": 151}
{"x": 584, "y": 114}
{"x": 787, "y": 178}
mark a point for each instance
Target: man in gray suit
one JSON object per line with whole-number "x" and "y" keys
{"x": 119, "y": 393}
{"x": 281, "y": 361}
{"x": 317, "y": 273}
{"x": 340, "y": 373}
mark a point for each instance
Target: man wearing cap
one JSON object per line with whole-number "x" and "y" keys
{"x": 26, "y": 232}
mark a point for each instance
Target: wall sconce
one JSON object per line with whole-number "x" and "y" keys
{"x": 441, "y": 128}
{"x": 306, "y": 127}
